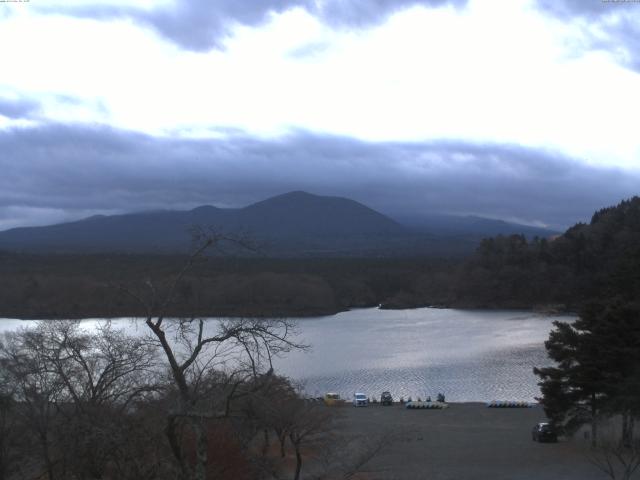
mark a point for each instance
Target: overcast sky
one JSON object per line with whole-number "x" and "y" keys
{"x": 525, "y": 110}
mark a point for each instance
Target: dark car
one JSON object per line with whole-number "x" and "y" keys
{"x": 544, "y": 432}
{"x": 386, "y": 398}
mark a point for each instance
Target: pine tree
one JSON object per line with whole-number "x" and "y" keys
{"x": 597, "y": 368}
{"x": 573, "y": 390}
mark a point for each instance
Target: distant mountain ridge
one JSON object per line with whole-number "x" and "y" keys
{"x": 471, "y": 225}
{"x": 291, "y": 224}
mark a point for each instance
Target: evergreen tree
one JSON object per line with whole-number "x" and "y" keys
{"x": 598, "y": 366}
{"x": 617, "y": 326}
{"x": 572, "y": 391}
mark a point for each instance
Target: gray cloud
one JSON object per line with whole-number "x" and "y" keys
{"x": 590, "y": 8}
{"x": 203, "y": 24}
{"x": 309, "y": 51}
{"x": 60, "y": 171}
{"x": 200, "y": 25}
{"x": 18, "y": 108}
{"x": 362, "y": 13}
{"x": 610, "y": 25}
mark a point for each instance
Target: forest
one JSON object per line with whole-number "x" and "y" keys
{"x": 190, "y": 402}
{"x": 599, "y": 259}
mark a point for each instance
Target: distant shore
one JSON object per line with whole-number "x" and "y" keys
{"x": 543, "y": 310}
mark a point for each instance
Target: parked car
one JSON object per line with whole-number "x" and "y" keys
{"x": 332, "y": 399}
{"x": 386, "y": 398}
{"x": 544, "y": 432}
{"x": 360, "y": 400}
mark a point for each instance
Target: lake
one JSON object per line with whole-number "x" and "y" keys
{"x": 469, "y": 355}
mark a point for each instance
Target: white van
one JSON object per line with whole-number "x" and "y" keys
{"x": 360, "y": 400}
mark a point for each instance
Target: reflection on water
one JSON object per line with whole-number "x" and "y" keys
{"x": 501, "y": 375}
{"x": 470, "y": 355}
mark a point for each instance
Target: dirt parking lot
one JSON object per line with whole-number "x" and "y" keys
{"x": 466, "y": 441}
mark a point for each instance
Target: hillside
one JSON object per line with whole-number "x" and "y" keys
{"x": 589, "y": 261}
{"x": 296, "y": 222}
{"x": 292, "y": 224}
{"x": 601, "y": 259}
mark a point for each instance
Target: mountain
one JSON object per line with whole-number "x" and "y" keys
{"x": 292, "y": 224}
{"x": 470, "y": 225}
{"x": 300, "y": 214}
{"x": 295, "y": 222}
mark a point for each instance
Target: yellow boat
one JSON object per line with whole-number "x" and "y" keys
{"x": 331, "y": 399}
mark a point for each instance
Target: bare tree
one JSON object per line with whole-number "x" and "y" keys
{"x": 272, "y": 406}
{"x": 617, "y": 460}
{"x": 101, "y": 367}
{"x": 36, "y": 389}
{"x": 309, "y": 422}
{"x": 102, "y": 371}
{"x": 8, "y": 431}
{"x": 192, "y": 348}
{"x": 75, "y": 389}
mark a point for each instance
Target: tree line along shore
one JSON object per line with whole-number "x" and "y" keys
{"x": 599, "y": 259}
{"x": 190, "y": 403}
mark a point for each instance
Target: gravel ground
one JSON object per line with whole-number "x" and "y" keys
{"x": 466, "y": 441}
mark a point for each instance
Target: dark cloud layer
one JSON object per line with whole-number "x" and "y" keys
{"x": 362, "y": 13}
{"x": 610, "y": 25}
{"x": 70, "y": 171}
{"x": 18, "y": 108}
{"x": 591, "y": 9}
{"x": 204, "y": 24}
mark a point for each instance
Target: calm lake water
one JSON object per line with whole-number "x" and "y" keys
{"x": 470, "y": 355}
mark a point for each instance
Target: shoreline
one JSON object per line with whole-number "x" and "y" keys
{"x": 538, "y": 310}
